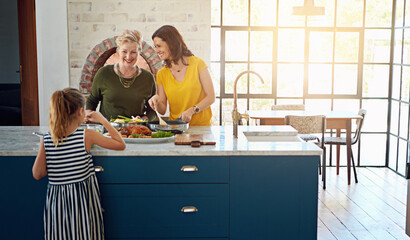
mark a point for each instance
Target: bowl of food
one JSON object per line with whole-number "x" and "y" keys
{"x": 174, "y": 126}
{"x": 97, "y": 127}
{"x": 120, "y": 122}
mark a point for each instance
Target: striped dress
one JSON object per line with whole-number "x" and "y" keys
{"x": 72, "y": 209}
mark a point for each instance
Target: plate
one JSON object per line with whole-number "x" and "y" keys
{"x": 147, "y": 140}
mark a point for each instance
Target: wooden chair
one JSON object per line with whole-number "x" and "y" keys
{"x": 300, "y": 107}
{"x": 307, "y": 126}
{"x": 342, "y": 141}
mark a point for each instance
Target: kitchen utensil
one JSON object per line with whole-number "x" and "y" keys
{"x": 195, "y": 140}
{"x": 39, "y": 134}
{"x": 173, "y": 126}
{"x": 161, "y": 121}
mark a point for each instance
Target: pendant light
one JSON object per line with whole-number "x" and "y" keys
{"x": 309, "y": 9}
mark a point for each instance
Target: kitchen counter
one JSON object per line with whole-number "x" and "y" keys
{"x": 234, "y": 190}
{"x": 19, "y": 141}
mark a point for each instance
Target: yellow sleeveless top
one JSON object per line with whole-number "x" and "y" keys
{"x": 185, "y": 94}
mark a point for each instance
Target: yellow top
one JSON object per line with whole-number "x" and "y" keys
{"x": 187, "y": 93}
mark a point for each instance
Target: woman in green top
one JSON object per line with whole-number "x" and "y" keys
{"x": 123, "y": 88}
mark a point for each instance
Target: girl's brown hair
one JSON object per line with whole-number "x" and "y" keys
{"x": 63, "y": 105}
{"x": 176, "y": 44}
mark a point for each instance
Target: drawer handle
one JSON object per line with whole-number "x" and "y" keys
{"x": 98, "y": 169}
{"x": 189, "y": 168}
{"x": 189, "y": 209}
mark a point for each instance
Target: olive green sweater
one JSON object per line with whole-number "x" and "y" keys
{"x": 117, "y": 100}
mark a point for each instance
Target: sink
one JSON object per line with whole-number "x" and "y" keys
{"x": 273, "y": 139}
{"x": 282, "y": 133}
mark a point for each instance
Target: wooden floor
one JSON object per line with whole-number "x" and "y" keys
{"x": 374, "y": 208}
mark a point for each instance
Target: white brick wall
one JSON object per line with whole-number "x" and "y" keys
{"x": 91, "y": 21}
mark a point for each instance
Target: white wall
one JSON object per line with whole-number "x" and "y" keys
{"x": 68, "y": 30}
{"x": 92, "y": 21}
{"x": 52, "y": 51}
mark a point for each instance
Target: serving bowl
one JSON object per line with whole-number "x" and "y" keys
{"x": 174, "y": 126}
{"x": 97, "y": 127}
{"x": 119, "y": 126}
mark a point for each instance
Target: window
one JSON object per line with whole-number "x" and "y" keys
{"x": 399, "y": 114}
{"x": 327, "y": 62}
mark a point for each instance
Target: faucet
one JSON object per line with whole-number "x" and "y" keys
{"x": 236, "y": 117}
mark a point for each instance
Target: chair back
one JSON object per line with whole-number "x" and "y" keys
{"x": 300, "y": 107}
{"x": 359, "y": 125}
{"x": 308, "y": 124}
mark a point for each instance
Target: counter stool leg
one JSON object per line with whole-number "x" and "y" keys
{"x": 354, "y": 167}
{"x": 324, "y": 168}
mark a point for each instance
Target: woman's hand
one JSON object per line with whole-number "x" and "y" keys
{"x": 94, "y": 116}
{"x": 153, "y": 102}
{"x": 187, "y": 115}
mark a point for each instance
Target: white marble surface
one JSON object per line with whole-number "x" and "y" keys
{"x": 19, "y": 141}
{"x": 266, "y": 130}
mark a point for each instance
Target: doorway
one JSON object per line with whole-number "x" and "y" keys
{"x": 18, "y": 64}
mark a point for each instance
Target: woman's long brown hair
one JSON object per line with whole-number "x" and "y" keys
{"x": 176, "y": 44}
{"x": 63, "y": 105}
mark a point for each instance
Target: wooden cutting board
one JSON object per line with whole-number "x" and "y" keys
{"x": 195, "y": 140}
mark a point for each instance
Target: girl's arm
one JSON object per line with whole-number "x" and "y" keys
{"x": 208, "y": 87}
{"x": 40, "y": 165}
{"x": 92, "y": 137}
{"x": 158, "y": 102}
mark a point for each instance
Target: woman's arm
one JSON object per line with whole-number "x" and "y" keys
{"x": 208, "y": 87}
{"x": 40, "y": 165}
{"x": 159, "y": 101}
{"x": 92, "y": 137}
{"x": 149, "y": 112}
{"x": 95, "y": 94}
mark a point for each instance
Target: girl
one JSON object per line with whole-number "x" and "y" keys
{"x": 72, "y": 209}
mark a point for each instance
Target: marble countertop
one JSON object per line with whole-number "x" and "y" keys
{"x": 19, "y": 141}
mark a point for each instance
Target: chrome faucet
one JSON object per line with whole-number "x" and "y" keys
{"x": 236, "y": 117}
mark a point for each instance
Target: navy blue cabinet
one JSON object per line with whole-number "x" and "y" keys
{"x": 133, "y": 211}
{"x": 22, "y": 200}
{"x": 187, "y": 197}
{"x": 165, "y": 197}
{"x": 273, "y": 197}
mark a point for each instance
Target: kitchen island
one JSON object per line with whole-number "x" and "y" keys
{"x": 233, "y": 190}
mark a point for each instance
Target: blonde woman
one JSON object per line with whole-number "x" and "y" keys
{"x": 123, "y": 88}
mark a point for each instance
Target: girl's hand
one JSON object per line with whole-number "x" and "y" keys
{"x": 94, "y": 116}
{"x": 187, "y": 115}
{"x": 153, "y": 102}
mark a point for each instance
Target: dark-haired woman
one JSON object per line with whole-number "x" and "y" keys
{"x": 184, "y": 82}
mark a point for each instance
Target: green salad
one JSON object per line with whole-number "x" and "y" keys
{"x": 122, "y": 119}
{"x": 162, "y": 134}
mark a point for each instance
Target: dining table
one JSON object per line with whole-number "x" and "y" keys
{"x": 338, "y": 120}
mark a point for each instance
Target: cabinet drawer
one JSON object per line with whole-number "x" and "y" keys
{"x": 163, "y": 169}
{"x": 154, "y": 210}
{"x": 169, "y": 238}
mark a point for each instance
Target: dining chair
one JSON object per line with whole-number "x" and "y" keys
{"x": 342, "y": 141}
{"x": 300, "y": 107}
{"x": 307, "y": 127}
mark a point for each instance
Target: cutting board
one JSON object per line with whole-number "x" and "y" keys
{"x": 195, "y": 140}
